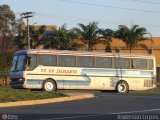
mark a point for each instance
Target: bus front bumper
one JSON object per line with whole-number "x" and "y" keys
{"x": 17, "y": 83}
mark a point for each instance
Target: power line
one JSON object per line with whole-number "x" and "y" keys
{"x": 108, "y": 6}
{"x": 144, "y": 1}
{"x": 86, "y": 19}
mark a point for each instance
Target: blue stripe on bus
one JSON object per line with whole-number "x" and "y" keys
{"x": 34, "y": 82}
{"x": 86, "y": 79}
{"x": 59, "y": 82}
{"x": 60, "y": 85}
{"x": 119, "y": 72}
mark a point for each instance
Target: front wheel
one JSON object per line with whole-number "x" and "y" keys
{"x": 49, "y": 85}
{"x": 122, "y": 87}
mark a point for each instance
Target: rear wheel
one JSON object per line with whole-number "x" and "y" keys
{"x": 49, "y": 85}
{"x": 122, "y": 87}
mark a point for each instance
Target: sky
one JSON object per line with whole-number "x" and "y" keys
{"x": 108, "y": 13}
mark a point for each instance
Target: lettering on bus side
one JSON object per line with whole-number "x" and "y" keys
{"x": 47, "y": 71}
{"x": 43, "y": 70}
{"x": 51, "y": 70}
{"x": 66, "y": 71}
{"x": 132, "y": 72}
{"x": 58, "y": 71}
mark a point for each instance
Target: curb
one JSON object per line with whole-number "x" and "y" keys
{"x": 73, "y": 96}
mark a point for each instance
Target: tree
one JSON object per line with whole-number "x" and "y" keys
{"x": 64, "y": 39}
{"x": 7, "y": 18}
{"x": 89, "y": 34}
{"x": 106, "y": 38}
{"x": 131, "y": 36}
{"x": 22, "y": 40}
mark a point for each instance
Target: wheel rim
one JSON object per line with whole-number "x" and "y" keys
{"x": 49, "y": 86}
{"x": 122, "y": 88}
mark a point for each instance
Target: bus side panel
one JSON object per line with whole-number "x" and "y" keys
{"x": 139, "y": 79}
{"x": 88, "y": 78}
{"x": 139, "y": 83}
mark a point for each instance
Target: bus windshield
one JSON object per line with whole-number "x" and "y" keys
{"x": 23, "y": 62}
{"x": 19, "y": 63}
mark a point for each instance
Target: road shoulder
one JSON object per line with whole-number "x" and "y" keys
{"x": 72, "y": 96}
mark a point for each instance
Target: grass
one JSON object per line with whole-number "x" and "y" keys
{"x": 8, "y": 94}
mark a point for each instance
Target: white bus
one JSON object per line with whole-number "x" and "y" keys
{"x": 56, "y": 69}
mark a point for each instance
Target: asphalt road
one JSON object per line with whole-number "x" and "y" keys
{"x": 104, "y": 106}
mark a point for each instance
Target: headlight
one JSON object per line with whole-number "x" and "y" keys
{"x": 21, "y": 79}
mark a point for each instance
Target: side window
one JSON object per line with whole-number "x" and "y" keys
{"x": 85, "y": 61}
{"x": 150, "y": 64}
{"x": 122, "y": 63}
{"x": 103, "y": 62}
{"x": 47, "y": 60}
{"x": 66, "y": 61}
{"x": 32, "y": 61}
{"x": 139, "y": 63}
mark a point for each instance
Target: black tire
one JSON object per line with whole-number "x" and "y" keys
{"x": 122, "y": 87}
{"x": 49, "y": 85}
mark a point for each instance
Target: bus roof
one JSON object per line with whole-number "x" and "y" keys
{"x": 83, "y": 53}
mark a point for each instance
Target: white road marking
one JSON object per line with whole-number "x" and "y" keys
{"x": 129, "y": 112}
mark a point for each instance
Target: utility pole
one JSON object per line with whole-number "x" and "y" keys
{"x": 27, "y": 15}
